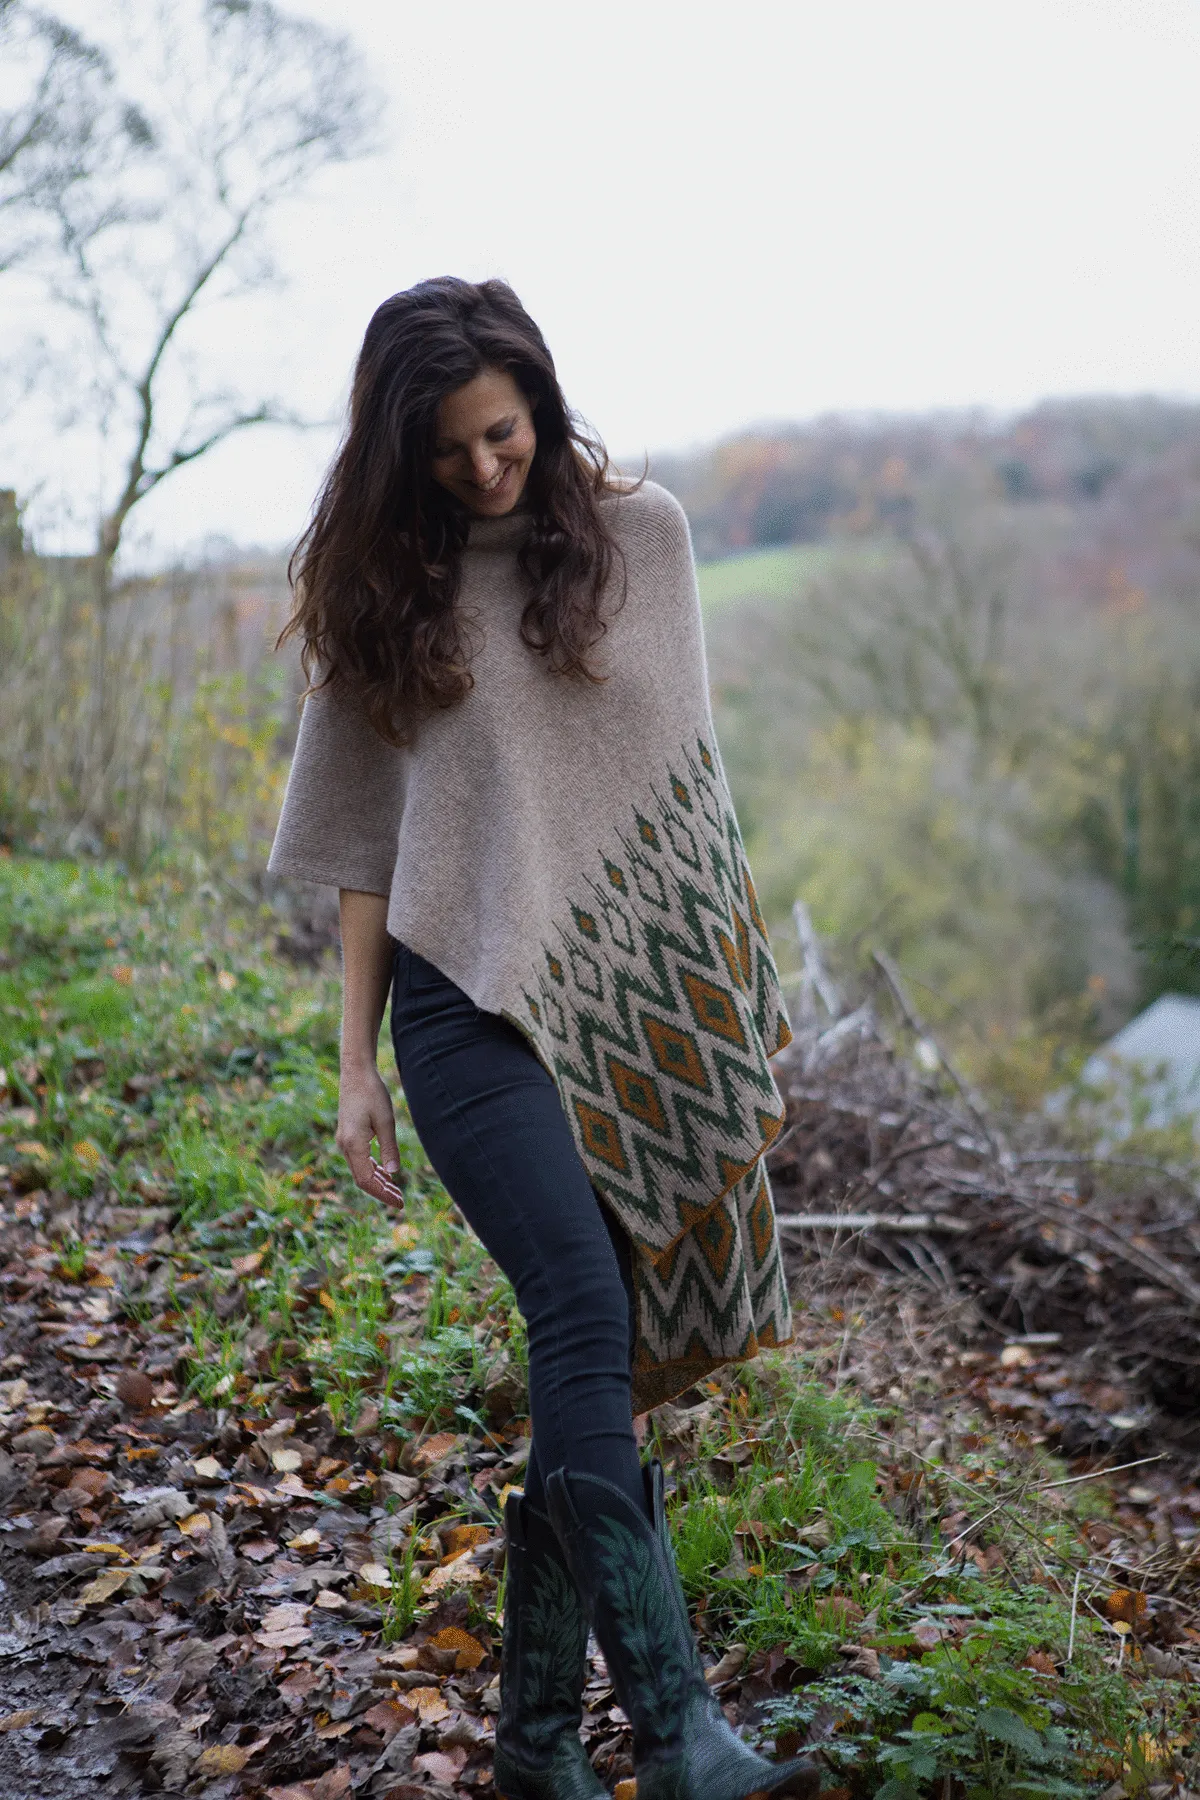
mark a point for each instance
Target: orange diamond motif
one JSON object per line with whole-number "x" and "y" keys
{"x": 761, "y": 1221}
{"x": 714, "y": 1009}
{"x": 730, "y": 955}
{"x": 716, "y": 1239}
{"x": 756, "y": 917}
{"x": 637, "y": 1095}
{"x": 601, "y": 1136}
{"x": 743, "y": 945}
{"x": 676, "y": 1053}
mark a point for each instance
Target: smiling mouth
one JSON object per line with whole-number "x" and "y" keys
{"x": 489, "y": 487}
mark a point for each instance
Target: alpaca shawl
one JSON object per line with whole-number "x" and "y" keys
{"x": 567, "y": 853}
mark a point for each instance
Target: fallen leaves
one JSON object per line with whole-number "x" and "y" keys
{"x": 332, "y": 1786}
{"x": 374, "y": 1575}
{"x": 387, "y": 1717}
{"x": 105, "y": 1585}
{"x": 135, "y": 1390}
{"x": 429, "y": 1704}
{"x": 470, "y": 1652}
{"x": 423, "y": 1454}
{"x": 458, "y": 1572}
{"x": 284, "y": 1626}
{"x": 222, "y": 1759}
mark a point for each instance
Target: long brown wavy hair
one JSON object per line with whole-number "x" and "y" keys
{"x": 376, "y": 574}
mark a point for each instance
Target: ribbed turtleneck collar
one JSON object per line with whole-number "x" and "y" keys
{"x": 506, "y": 533}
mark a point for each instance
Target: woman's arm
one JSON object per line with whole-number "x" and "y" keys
{"x": 364, "y": 1104}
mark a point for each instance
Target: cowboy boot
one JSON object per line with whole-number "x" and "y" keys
{"x": 683, "y": 1746}
{"x": 543, "y": 1662}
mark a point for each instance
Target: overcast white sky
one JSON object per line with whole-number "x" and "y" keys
{"x": 735, "y": 213}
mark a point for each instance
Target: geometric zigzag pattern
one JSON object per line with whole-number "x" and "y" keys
{"x": 656, "y": 1008}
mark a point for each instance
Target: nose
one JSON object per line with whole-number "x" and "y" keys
{"x": 484, "y": 465}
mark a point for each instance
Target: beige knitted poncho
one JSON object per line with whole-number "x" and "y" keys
{"x": 567, "y": 853}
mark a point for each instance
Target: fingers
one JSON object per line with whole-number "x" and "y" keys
{"x": 365, "y": 1116}
{"x": 372, "y": 1177}
{"x": 384, "y": 1188}
{"x": 389, "y": 1150}
{"x": 383, "y": 1171}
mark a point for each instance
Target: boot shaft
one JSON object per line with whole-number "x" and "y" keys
{"x": 543, "y": 1664}
{"x": 621, "y": 1557}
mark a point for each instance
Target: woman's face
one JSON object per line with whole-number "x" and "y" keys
{"x": 485, "y": 443}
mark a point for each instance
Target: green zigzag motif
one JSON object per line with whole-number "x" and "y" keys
{"x": 656, "y": 1008}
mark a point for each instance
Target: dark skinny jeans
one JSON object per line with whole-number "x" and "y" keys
{"x": 492, "y": 1124}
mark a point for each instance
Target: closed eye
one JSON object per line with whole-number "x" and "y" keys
{"x": 495, "y": 434}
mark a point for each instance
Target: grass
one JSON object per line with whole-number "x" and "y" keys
{"x": 159, "y": 1057}
{"x": 802, "y": 1534}
{"x": 776, "y": 574}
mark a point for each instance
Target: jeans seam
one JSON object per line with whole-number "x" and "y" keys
{"x": 543, "y": 1267}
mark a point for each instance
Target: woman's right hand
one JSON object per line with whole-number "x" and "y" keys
{"x": 365, "y": 1112}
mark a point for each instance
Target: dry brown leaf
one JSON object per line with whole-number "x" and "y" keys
{"x": 1126, "y": 1606}
{"x": 105, "y": 1585}
{"x": 374, "y": 1575}
{"x": 465, "y": 1537}
{"x": 195, "y": 1524}
{"x": 429, "y": 1703}
{"x": 330, "y": 1786}
{"x": 390, "y": 1716}
{"x": 289, "y": 1612}
{"x": 285, "y": 1639}
{"x": 442, "y": 1765}
{"x": 333, "y": 1784}
{"x": 293, "y": 1488}
{"x": 286, "y": 1460}
{"x": 135, "y": 1390}
{"x": 257, "y": 1549}
{"x": 222, "y": 1759}
{"x": 728, "y": 1666}
{"x": 625, "y": 1790}
{"x": 422, "y": 1456}
{"x": 470, "y": 1651}
{"x": 460, "y": 1571}
{"x": 368, "y": 1420}
{"x": 15, "y": 1721}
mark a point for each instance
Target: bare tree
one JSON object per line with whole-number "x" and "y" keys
{"x": 64, "y": 123}
{"x": 238, "y": 106}
{"x": 925, "y": 639}
{"x": 197, "y": 122}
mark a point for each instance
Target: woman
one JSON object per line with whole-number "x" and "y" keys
{"x": 506, "y": 765}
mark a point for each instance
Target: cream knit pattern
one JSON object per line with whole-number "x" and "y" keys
{"x": 567, "y": 853}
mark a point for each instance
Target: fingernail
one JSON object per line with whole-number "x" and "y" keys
{"x": 391, "y": 1168}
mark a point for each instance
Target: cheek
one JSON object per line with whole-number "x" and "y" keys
{"x": 522, "y": 444}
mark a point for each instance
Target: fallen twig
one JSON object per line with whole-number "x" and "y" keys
{"x": 906, "y": 1223}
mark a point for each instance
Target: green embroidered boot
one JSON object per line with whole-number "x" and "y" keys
{"x": 543, "y": 1662}
{"x": 683, "y": 1746}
